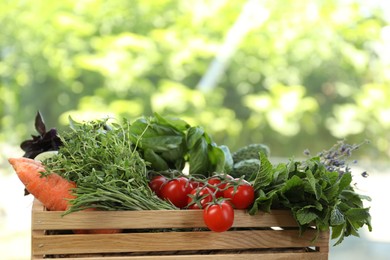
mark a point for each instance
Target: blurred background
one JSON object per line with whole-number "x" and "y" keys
{"x": 294, "y": 75}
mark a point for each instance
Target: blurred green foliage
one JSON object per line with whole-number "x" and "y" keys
{"x": 301, "y": 74}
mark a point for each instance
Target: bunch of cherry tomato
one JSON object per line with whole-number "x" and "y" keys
{"x": 218, "y": 196}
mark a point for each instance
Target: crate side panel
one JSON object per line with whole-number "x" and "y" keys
{"x": 55, "y": 220}
{"x": 117, "y": 220}
{"x": 243, "y": 256}
{"x": 36, "y": 207}
{"x": 170, "y": 241}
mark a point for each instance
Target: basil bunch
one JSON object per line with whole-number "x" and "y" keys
{"x": 170, "y": 143}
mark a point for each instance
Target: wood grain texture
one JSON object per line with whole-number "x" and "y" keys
{"x": 172, "y": 234}
{"x": 152, "y": 219}
{"x": 171, "y": 241}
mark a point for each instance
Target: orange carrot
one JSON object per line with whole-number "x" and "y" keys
{"x": 52, "y": 190}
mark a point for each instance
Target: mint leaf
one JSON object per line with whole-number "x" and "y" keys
{"x": 266, "y": 203}
{"x": 318, "y": 192}
{"x": 331, "y": 192}
{"x": 305, "y": 215}
{"x": 280, "y": 173}
{"x": 311, "y": 181}
{"x": 318, "y": 206}
{"x": 338, "y": 232}
{"x": 336, "y": 217}
{"x": 357, "y": 214}
{"x": 293, "y": 190}
{"x": 352, "y": 199}
{"x": 345, "y": 181}
{"x": 331, "y": 177}
{"x": 264, "y": 176}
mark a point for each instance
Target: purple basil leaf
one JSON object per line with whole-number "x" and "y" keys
{"x": 40, "y": 124}
{"x": 45, "y": 141}
{"x": 26, "y": 144}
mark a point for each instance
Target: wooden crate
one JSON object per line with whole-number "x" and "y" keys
{"x": 171, "y": 234}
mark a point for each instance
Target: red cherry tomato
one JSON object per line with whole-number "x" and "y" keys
{"x": 219, "y": 217}
{"x": 156, "y": 183}
{"x": 215, "y": 182}
{"x": 176, "y": 191}
{"x": 219, "y": 182}
{"x": 243, "y": 197}
{"x": 196, "y": 184}
{"x": 199, "y": 197}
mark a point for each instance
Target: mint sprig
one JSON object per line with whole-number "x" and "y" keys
{"x": 316, "y": 194}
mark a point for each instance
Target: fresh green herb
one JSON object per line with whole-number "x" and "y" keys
{"x": 110, "y": 164}
{"x": 170, "y": 143}
{"x": 108, "y": 171}
{"x": 315, "y": 194}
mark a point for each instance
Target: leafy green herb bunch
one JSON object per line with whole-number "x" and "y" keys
{"x": 318, "y": 191}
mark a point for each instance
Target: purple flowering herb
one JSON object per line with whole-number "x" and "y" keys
{"x": 334, "y": 159}
{"x": 44, "y": 141}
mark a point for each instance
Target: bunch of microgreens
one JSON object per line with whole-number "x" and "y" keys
{"x": 107, "y": 169}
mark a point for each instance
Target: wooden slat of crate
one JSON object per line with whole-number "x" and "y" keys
{"x": 171, "y": 241}
{"x": 141, "y": 219}
{"x": 266, "y": 256}
{"x": 43, "y": 244}
{"x": 254, "y": 256}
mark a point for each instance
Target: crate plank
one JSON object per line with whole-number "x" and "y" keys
{"x": 171, "y": 234}
{"x": 246, "y": 256}
{"x": 266, "y": 256}
{"x": 170, "y": 241}
{"x": 152, "y": 219}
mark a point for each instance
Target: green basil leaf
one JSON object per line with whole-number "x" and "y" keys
{"x": 157, "y": 162}
{"x": 198, "y": 159}
{"x": 228, "y": 159}
{"x": 173, "y": 122}
{"x": 193, "y": 135}
{"x": 160, "y": 138}
{"x": 221, "y": 158}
